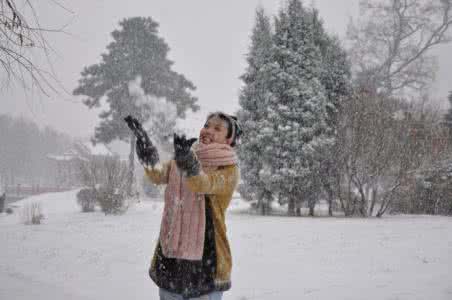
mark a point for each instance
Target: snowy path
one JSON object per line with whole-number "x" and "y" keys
{"x": 91, "y": 256}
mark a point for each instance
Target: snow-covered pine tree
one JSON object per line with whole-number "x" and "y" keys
{"x": 253, "y": 101}
{"x": 336, "y": 79}
{"x": 335, "y": 72}
{"x": 296, "y": 110}
{"x": 136, "y": 52}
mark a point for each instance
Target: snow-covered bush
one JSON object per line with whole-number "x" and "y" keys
{"x": 86, "y": 198}
{"x": 112, "y": 202}
{"x": 107, "y": 177}
{"x": 430, "y": 191}
{"x": 111, "y": 194}
{"x": 31, "y": 214}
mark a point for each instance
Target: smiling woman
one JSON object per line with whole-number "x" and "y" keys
{"x": 192, "y": 257}
{"x": 220, "y": 128}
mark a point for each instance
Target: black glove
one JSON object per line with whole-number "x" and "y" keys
{"x": 146, "y": 151}
{"x": 185, "y": 158}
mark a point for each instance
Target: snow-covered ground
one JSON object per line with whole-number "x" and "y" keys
{"x": 75, "y": 255}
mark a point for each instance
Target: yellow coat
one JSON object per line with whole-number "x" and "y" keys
{"x": 219, "y": 184}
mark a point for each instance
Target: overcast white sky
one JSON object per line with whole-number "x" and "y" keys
{"x": 208, "y": 41}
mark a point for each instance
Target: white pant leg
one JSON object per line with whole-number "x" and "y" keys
{"x": 210, "y": 296}
{"x": 167, "y": 295}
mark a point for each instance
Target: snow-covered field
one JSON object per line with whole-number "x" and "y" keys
{"x": 73, "y": 255}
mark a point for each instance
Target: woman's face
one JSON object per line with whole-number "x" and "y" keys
{"x": 214, "y": 131}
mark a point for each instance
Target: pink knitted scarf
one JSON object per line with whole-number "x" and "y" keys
{"x": 183, "y": 222}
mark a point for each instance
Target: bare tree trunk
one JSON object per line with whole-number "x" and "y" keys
{"x": 311, "y": 204}
{"x": 339, "y": 194}
{"x": 350, "y": 205}
{"x": 260, "y": 206}
{"x": 373, "y": 201}
{"x": 436, "y": 207}
{"x": 353, "y": 209}
{"x": 363, "y": 203}
{"x": 387, "y": 200}
{"x": 329, "y": 192}
{"x": 263, "y": 202}
{"x": 381, "y": 211}
{"x": 130, "y": 176}
{"x": 298, "y": 209}
{"x": 384, "y": 205}
{"x": 291, "y": 207}
{"x": 344, "y": 209}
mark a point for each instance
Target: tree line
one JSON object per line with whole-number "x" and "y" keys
{"x": 347, "y": 122}
{"x": 23, "y": 152}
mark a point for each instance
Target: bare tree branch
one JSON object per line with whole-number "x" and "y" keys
{"x": 391, "y": 41}
{"x": 21, "y": 37}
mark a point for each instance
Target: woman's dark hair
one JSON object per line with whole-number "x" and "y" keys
{"x": 233, "y": 125}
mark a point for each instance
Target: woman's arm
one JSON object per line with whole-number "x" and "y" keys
{"x": 222, "y": 181}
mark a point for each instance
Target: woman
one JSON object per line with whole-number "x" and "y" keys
{"x": 192, "y": 259}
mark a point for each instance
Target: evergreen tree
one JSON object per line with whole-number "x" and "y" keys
{"x": 136, "y": 52}
{"x": 253, "y": 100}
{"x": 336, "y": 79}
{"x": 297, "y": 109}
{"x": 335, "y": 72}
{"x": 294, "y": 86}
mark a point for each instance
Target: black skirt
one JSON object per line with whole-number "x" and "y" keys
{"x": 188, "y": 277}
